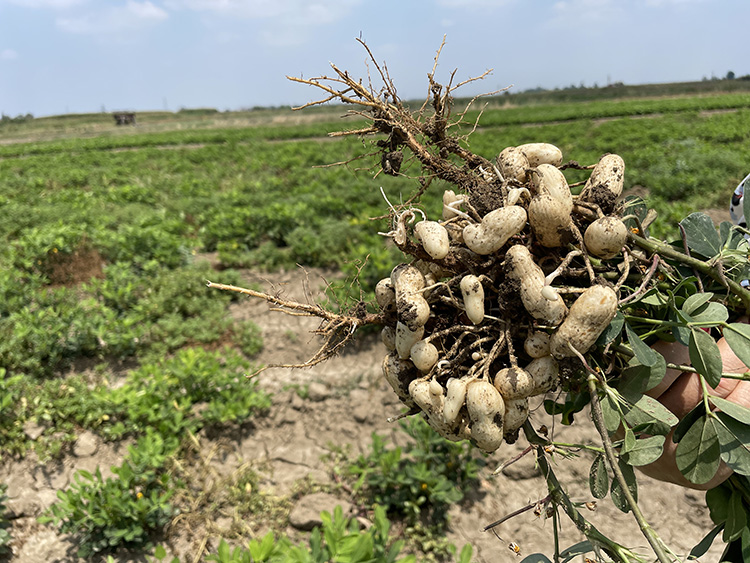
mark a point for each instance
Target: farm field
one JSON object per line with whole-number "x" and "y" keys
{"x": 126, "y": 422}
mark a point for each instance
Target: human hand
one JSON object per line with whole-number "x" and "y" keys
{"x": 680, "y": 392}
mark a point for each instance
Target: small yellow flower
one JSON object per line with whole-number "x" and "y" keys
{"x": 139, "y": 495}
{"x": 424, "y": 486}
{"x": 634, "y": 230}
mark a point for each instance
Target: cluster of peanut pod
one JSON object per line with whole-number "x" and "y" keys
{"x": 483, "y": 319}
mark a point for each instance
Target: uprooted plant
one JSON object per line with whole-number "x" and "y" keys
{"x": 522, "y": 287}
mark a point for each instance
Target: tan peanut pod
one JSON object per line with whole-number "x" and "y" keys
{"x": 434, "y": 238}
{"x": 523, "y": 269}
{"x": 514, "y": 383}
{"x": 488, "y": 435}
{"x": 424, "y": 355}
{"x": 449, "y": 197}
{"x": 454, "y": 399}
{"x": 430, "y": 403}
{"x": 512, "y": 163}
{"x": 605, "y": 237}
{"x": 589, "y": 315}
{"x": 385, "y": 295}
{"x": 406, "y": 338}
{"x": 399, "y": 374}
{"x": 473, "y": 295}
{"x": 388, "y": 338}
{"x": 483, "y": 400}
{"x": 548, "y": 179}
{"x": 516, "y": 413}
{"x": 495, "y": 229}
{"x": 550, "y": 220}
{"x": 541, "y": 153}
{"x": 536, "y": 344}
{"x": 545, "y": 373}
{"x": 605, "y": 184}
{"x": 412, "y": 308}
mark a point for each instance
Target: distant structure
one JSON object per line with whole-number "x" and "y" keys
{"x": 124, "y": 117}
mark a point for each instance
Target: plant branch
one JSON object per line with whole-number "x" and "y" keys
{"x": 596, "y": 410}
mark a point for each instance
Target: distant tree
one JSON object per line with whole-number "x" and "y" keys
{"x": 730, "y": 75}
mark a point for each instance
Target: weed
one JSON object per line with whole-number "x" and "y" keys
{"x": 124, "y": 511}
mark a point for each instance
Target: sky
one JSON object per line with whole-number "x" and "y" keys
{"x": 79, "y": 56}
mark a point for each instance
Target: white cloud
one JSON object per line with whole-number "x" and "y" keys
{"x": 8, "y": 55}
{"x": 473, "y": 4}
{"x": 312, "y": 13}
{"x": 56, "y": 4}
{"x": 133, "y": 15}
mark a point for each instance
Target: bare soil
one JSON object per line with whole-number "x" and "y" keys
{"x": 346, "y": 401}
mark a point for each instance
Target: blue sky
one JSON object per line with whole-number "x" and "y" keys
{"x": 74, "y": 56}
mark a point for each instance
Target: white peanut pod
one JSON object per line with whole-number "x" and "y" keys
{"x": 605, "y": 237}
{"x": 536, "y": 344}
{"x": 550, "y": 219}
{"x": 449, "y": 197}
{"x": 544, "y": 372}
{"x": 548, "y": 179}
{"x": 406, "y": 338}
{"x": 484, "y": 402}
{"x": 454, "y": 399}
{"x": 605, "y": 184}
{"x": 424, "y": 355}
{"x": 589, "y": 315}
{"x": 523, "y": 269}
{"x": 516, "y": 413}
{"x": 514, "y": 383}
{"x": 412, "y": 308}
{"x": 421, "y": 394}
{"x": 399, "y": 374}
{"x": 473, "y": 295}
{"x": 541, "y": 153}
{"x": 434, "y": 238}
{"x": 385, "y": 295}
{"x": 512, "y": 164}
{"x": 388, "y": 338}
{"x": 495, "y": 229}
{"x": 487, "y": 435}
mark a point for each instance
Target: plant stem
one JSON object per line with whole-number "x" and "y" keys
{"x": 596, "y": 410}
{"x": 668, "y": 251}
{"x": 560, "y": 498}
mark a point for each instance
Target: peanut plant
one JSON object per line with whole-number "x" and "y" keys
{"x": 528, "y": 283}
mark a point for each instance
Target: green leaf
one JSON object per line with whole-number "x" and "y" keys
{"x": 715, "y": 313}
{"x": 610, "y": 413}
{"x": 701, "y": 234}
{"x": 160, "y": 553}
{"x": 643, "y": 408}
{"x": 629, "y": 441}
{"x": 639, "y": 378}
{"x": 535, "y": 558}
{"x": 698, "y": 454}
{"x": 734, "y": 410}
{"x": 645, "y": 354}
{"x": 736, "y": 518}
{"x": 705, "y": 356}
{"x": 693, "y": 303}
{"x": 645, "y": 451}
{"x": 705, "y": 544}
{"x": 687, "y": 421}
{"x": 612, "y": 331}
{"x": 734, "y": 440}
{"x": 598, "y": 478}
{"x": 581, "y": 548}
{"x": 737, "y": 336}
{"x": 616, "y": 491}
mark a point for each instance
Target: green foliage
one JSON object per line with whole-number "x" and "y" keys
{"x": 121, "y": 511}
{"x": 338, "y": 540}
{"x": 195, "y": 388}
{"x": 419, "y": 482}
{"x": 5, "y": 536}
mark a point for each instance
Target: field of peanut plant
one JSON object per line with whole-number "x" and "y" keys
{"x": 122, "y": 376}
